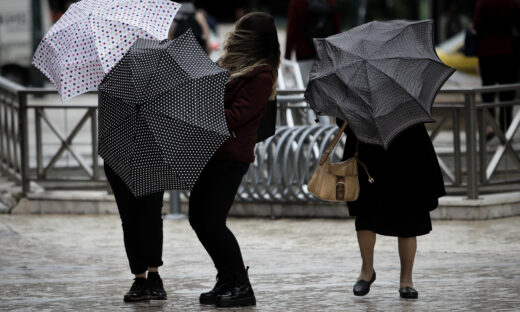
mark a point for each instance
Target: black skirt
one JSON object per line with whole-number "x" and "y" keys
{"x": 407, "y": 184}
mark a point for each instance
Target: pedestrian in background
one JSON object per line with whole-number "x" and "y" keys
{"x": 495, "y": 22}
{"x": 309, "y": 19}
{"x": 407, "y": 184}
{"x": 252, "y": 56}
{"x": 190, "y": 17}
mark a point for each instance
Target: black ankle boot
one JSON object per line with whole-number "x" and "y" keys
{"x": 138, "y": 291}
{"x": 241, "y": 295}
{"x": 155, "y": 286}
{"x": 224, "y": 284}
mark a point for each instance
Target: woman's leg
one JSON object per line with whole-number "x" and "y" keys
{"x": 126, "y": 204}
{"x": 210, "y": 202}
{"x": 367, "y": 242}
{"x": 129, "y": 213}
{"x": 407, "y": 249}
{"x": 197, "y": 211}
{"x": 151, "y": 229}
{"x": 151, "y": 241}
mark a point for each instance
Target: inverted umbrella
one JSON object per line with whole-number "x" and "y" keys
{"x": 381, "y": 77}
{"x": 93, "y": 35}
{"x": 161, "y": 114}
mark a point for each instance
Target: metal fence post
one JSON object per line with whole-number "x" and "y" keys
{"x": 23, "y": 129}
{"x": 456, "y": 147}
{"x": 482, "y": 149}
{"x": 471, "y": 144}
{"x": 94, "y": 134}
{"x": 175, "y": 206}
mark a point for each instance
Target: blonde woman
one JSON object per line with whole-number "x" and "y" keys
{"x": 252, "y": 56}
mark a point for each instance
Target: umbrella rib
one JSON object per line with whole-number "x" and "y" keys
{"x": 171, "y": 87}
{"x": 108, "y": 95}
{"x": 395, "y": 36}
{"x": 89, "y": 19}
{"x": 370, "y": 95}
{"x": 136, "y": 75}
{"x": 350, "y": 53}
{"x": 116, "y": 20}
{"x": 400, "y": 87}
{"x": 410, "y": 58}
{"x": 334, "y": 70}
{"x": 192, "y": 125}
{"x": 134, "y": 152}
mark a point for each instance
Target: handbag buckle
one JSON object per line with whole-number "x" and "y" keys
{"x": 340, "y": 188}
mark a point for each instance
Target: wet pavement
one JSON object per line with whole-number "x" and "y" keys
{"x": 77, "y": 263}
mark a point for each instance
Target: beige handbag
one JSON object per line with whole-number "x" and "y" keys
{"x": 337, "y": 182}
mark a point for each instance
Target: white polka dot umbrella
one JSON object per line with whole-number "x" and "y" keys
{"x": 161, "y": 114}
{"x": 93, "y": 35}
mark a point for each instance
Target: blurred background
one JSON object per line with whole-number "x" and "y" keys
{"x": 24, "y": 22}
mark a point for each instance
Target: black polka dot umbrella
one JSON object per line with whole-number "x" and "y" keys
{"x": 161, "y": 114}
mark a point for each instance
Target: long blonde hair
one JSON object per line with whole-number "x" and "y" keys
{"x": 253, "y": 43}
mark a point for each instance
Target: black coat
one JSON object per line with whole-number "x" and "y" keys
{"x": 407, "y": 176}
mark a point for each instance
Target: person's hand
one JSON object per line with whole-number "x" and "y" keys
{"x": 472, "y": 29}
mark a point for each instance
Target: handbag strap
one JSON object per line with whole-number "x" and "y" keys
{"x": 370, "y": 179}
{"x": 333, "y": 144}
{"x": 329, "y": 149}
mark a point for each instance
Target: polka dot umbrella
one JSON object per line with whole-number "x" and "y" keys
{"x": 93, "y": 35}
{"x": 161, "y": 114}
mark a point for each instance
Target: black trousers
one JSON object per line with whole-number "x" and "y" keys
{"x": 210, "y": 201}
{"x": 142, "y": 224}
{"x": 502, "y": 70}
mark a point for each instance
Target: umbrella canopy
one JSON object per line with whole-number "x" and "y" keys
{"x": 93, "y": 35}
{"x": 381, "y": 77}
{"x": 161, "y": 114}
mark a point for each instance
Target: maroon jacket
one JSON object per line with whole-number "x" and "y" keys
{"x": 296, "y": 26}
{"x": 494, "y": 21}
{"x": 244, "y": 104}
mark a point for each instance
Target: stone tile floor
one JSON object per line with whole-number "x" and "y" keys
{"x": 77, "y": 263}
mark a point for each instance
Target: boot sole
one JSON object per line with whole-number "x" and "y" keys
{"x": 251, "y": 301}
{"x": 158, "y": 297}
{"x": 145, "y": 298}
{"x": 208, "y": 300}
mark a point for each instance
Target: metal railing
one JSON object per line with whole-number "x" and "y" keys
{"x": 283, "y": 163}
{"x": 10, "y": 129}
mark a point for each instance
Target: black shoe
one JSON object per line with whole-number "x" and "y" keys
{"x": 362, "y": 287}
{"x": 224, "y": 284}
{"x": 138, "y": 291}
{"x": 241, "y": 295}
{"x": 155, "y": 286}
{"x": 408, "y": 293}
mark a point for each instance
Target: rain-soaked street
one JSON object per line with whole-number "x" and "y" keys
{"x": 78, "y": 263}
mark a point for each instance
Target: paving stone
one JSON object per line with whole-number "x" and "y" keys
{"x": 78, "y": 263}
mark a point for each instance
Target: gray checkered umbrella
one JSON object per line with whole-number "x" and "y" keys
{"x": 381, "y": 77}
{"x": 161, "y": 114}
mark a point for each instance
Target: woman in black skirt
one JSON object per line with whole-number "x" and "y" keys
{"x": 407, "y": 184}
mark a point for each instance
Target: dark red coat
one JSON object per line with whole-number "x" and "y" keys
{"x": 245, "y": 103}
{"x": 494, "y": 21}
{"x": 296, "y": 26}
